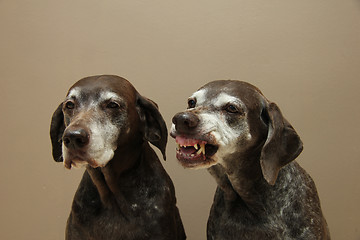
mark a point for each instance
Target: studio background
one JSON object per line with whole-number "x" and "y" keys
{"x": 303, "y": 55}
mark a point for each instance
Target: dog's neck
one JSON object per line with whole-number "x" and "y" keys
{"x": 126, "y": 158}
{"x": 244, "y": 181}
{"x": 108, "y": 179}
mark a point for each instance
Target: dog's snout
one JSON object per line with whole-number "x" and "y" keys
{"x": 76, "y": 138}
{"x": 185, "y": 121}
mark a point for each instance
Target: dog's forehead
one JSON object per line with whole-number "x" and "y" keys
{"x": 97, "y": 95}
{"x": 223, "y": 91}
{"x": 102, "y": 88}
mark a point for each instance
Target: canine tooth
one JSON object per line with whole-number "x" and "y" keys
{"x": 202, "y": 147}
{"x": 196, "y": 147}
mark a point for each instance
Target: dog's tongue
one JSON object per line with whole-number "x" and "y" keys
{"x": 187, "y": 141}
{"x": 188, "y": 150}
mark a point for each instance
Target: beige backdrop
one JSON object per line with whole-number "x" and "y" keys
{"x": 304, "y": 55}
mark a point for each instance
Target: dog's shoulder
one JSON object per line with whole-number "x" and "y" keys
{"x": 294, "y": 190}
{"x": 294, "y": 181}
{"x": 294, "y": 199}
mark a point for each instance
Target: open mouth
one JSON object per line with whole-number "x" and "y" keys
{"x": 194, "y": 151}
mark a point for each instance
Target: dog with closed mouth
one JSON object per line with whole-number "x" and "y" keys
{"x": 125, "y": 193}
{"x": 247, "y": 145}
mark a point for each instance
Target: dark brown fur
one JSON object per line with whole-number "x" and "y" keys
{"x": 131, "y": 197}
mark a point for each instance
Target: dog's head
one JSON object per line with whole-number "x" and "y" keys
{"x": 99, "y": 115}
{"x": 229, "y": 121}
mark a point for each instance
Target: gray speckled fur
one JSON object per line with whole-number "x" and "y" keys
{"x": 288, "y": 210}
{"x": 262, "y": 192}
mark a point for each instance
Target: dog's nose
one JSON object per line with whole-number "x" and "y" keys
{"x": 185, "y": 121}
{"x": 76, "y": 138}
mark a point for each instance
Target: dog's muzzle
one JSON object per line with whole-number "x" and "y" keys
{"x": 75, "y": 147}
{"x": 193, "y": 147}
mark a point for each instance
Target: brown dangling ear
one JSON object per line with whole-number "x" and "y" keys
{"x": 282, "y": 146}
{"x": 155, "y": 130}
{"x": 57, "y": 128}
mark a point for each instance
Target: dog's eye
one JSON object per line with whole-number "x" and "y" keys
{"x": 231, "y": 108}
{"x": 112, "y": 105}
{"x": 191, "y": 103}
{"x": 69, "y": 105}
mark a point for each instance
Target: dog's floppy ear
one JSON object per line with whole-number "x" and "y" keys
{"x": 154, "y": 126}
{"x": 57, "y": 128}
{"x": 282, "y": 146}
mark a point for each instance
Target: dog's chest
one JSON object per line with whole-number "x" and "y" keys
{"x": 112, "y": 223}
{"x": 132, "y": 218}
{"x": 289, "y": 211}
{"x": 228, "y": 220}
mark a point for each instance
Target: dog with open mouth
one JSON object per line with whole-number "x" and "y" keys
{"x": 247, "y": 145}
{"x": 125, "y": 193}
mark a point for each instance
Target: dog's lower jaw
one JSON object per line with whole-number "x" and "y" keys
{"x": 79, "y": 162}
{"x": 196, "y": 161}
{"x": 197, "y": 164}
{"x": 68, "y": 164}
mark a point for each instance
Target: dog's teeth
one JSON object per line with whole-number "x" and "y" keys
{"x": 202, "y": 147}
{"x": 196, "y": 147}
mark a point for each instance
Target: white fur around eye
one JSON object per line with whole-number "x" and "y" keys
{"x": 74, "y": 93}
{"x": 109, "y": 95}
{"x": 223, "y": 99}
{"x": 200, "y": 96}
